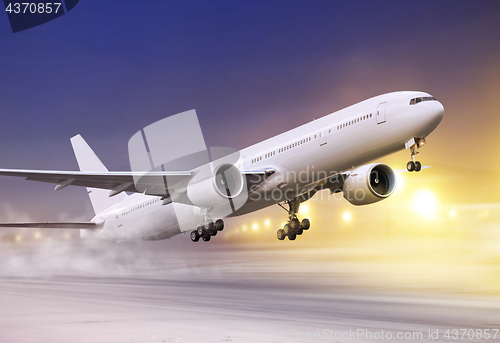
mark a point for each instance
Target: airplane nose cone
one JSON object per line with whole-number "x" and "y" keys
{"x": 435, "y": 113}
{"x": 439, "y": 112}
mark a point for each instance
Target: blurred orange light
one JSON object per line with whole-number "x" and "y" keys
{"x": 347, "y": 216}
{"x": 425, "y": 203}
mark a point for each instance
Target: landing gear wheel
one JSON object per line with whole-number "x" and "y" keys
{"x": 287, "y": 229}
{"x": 294, "y": 224}
{"x": 206, "y": 238}
{"x": 219, "y": 224}
{"x": 292, "y": 237}
{"x": 300, "y": 231}
{"x": 418, "y": 166}
{"x": 410, "y": 166}
{"x": 280, "y": 234}
{"x": 201, "y": 230}
{"x": 306, "y": 224}
{"x": 194, "y": 236}
{"x": 210, "y": 229}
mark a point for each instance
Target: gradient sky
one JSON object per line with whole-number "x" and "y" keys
{"x": 251, "y": 70}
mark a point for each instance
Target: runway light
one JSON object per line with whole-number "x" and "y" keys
{"x": 255, "y": 227}
{"x": 244, "y": 228}
{"x": 453, "y": 213}
{"x": 425, "y": 203}
{"x": 67, "y": 235}
{"x": 347, "y": 216}
{"x": 18, "y": 238}
{"x": 37, "y": 235}
{"x": 267, "y": 222}
{"x": 304, "y": 210}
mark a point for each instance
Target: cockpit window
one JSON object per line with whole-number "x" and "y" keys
{"x": 424, "y": 98}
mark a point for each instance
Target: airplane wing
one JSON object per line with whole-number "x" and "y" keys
{"x": 47, "y": 225}
{"x": 116, "y": 182}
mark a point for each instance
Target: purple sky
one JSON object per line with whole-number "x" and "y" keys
{"x": 250, "y": 69}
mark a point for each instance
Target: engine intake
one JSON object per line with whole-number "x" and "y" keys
{"x": 369, "y": 184}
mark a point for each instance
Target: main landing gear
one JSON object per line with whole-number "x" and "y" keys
{"x": 294, "y": 227}
{"x": 413, "y": 144}
{"x": 205, "y": 232}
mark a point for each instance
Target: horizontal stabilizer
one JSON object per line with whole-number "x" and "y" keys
{"x": 60, "y": 225}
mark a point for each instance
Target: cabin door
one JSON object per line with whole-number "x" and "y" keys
{"x": 322, "y": 135}
{"x": 381, "y": 113}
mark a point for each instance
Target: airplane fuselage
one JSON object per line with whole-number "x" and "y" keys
{"x": 299, "y": 158}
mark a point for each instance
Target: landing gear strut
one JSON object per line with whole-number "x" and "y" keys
{"x": 413, "y": 144}
{"x": 206, "y": 231}
{"x": 294, "y": 227}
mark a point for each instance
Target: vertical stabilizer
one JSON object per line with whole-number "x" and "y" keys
{"x": 89, "y": 162}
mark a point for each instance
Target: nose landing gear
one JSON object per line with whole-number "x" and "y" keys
{"x": 413, "y": 144}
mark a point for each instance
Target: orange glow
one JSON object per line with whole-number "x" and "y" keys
{"x": 425, "y": 203}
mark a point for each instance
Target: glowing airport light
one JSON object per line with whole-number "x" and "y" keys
{"x": 18, "y": 238}
{"x": 244, "y": 228}
{"x": 400, "y": 182}
{"x": 453, "y": 213}
{"x": 304, "y": 209}
{"x": 37, "y": 235}
{"x": 267, "y": 222}
{"x": 425, "y": 203}
{"x": 347, "y": 216}
{"x": 255, "y": 227}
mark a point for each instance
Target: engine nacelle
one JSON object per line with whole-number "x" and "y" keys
{"x": 209, "y": 189}
{"x": 369, "y": 184}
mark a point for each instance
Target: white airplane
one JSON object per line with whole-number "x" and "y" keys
{"x": 331, "y": 153}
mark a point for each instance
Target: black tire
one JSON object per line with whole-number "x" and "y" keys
{"x": 294, "y": 224}
{"x": 213, "y": 232}
{"x": 306, "y": 224}
{"x": 206, "y": 238}
{"x": 287, "y": 229}
{"x": 292, "y": 237}
{"x": 194, "y": 236}
{"x": 201, "y": 230}
{"x": 418, "y": 166}
{"x": 219, "y": 224}
{"x": 300, "y": 231}
{"x": 281, "y": 234}
{"x": 410, "y": 166}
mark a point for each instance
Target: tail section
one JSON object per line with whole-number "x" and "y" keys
{"x": 89, "y": 162}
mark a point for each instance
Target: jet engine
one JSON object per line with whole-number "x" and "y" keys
{"x": 369, "y": 184}
{"x": 209, "y": 189}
